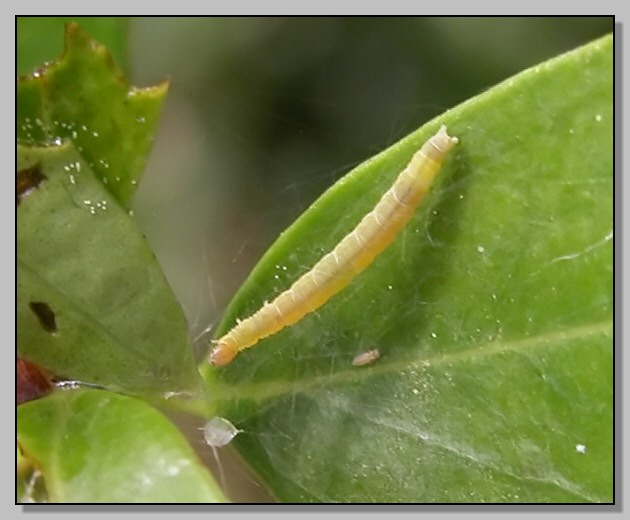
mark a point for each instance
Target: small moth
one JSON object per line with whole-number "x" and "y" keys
{"x": 367, "y": 357}
{"x": 352, "y": 255}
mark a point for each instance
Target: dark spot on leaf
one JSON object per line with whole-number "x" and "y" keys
{"x": 33, "y": 381}
{"x": 28, "y": 180}
{"x": 45, "y": 315}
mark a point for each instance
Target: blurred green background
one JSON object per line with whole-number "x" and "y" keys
{"x": 265, "y": 113}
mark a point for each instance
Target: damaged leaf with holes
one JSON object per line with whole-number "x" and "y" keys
{"x": 93, "y": 304}
{"x": 84, "y": 97}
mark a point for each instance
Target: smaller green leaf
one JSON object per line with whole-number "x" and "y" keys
{"x": 96, "y": 446}
{"x": 93, "y": 303}
{"x": 85, "y": 98}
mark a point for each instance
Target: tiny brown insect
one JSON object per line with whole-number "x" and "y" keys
{"x": 365, "y": 358}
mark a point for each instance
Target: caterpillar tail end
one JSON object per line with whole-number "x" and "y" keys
{"x": 222, "y": 354}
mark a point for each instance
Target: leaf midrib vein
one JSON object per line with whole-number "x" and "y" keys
{"x": 267, "y": 390}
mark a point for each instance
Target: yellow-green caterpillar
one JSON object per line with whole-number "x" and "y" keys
{"x": 352, "y": 255}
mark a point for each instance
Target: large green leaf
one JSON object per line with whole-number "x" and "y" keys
{"x": 95, "y": 446}
{"x": 492, "y": 311}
